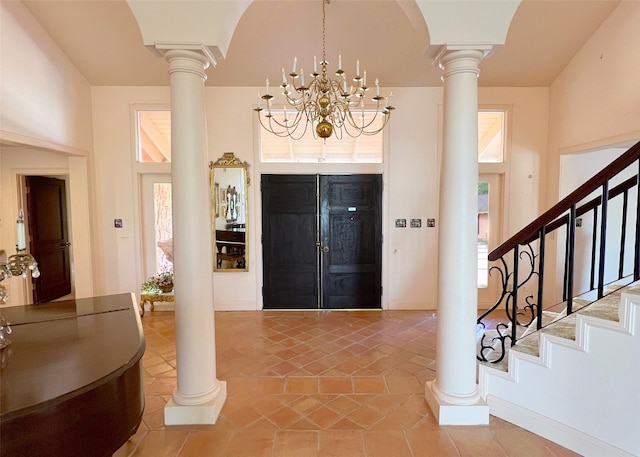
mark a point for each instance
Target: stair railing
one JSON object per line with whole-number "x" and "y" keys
{"x": 519, "y": 262}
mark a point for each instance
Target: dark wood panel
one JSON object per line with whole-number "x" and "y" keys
{"x": 289, "y": 250}
{"x": 49, "y": 237}
{"x": 61, "y": 392}
{"x": 352, "y": 230}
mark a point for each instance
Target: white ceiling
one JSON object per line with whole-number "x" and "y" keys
{"x": 102, "y": 39}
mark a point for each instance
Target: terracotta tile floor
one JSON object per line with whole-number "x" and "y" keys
{"x": 343, "y": 384}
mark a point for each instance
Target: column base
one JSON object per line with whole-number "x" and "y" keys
{"x": 205, "y": 413}
{"x": 451, "y": 414}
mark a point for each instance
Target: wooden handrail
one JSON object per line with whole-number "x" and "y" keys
{"x": 588, "y": 206}
{"x": 530, "y": 232}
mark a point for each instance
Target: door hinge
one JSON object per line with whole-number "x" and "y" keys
{"x": 261, "y": 239}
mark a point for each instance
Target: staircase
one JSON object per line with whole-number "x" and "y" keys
{"x": 576, "y": 382}
{"x": 570, "y": 370}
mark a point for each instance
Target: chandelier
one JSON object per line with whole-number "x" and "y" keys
{"x": 18, "y": 265}
{"x": 325, "y": 104}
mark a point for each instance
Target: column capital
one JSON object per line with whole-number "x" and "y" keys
{"x": 461, "y": 58}
{"x": 185, "y": 60}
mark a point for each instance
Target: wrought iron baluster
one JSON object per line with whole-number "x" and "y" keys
{"x": 541, "y": 244}
{"x": 636, "y": 258}
{"x": 623, "y": 234}
{"x": 514, "y": 312}
{"x": 571, "y": 236}
{"x": 603, "y": 238}
{"x": 594, "y": 241}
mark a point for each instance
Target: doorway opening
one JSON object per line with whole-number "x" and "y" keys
{"x": 157, "y": 228}
{"x": 46, "y": 216}
{"x": 322, "y": 241}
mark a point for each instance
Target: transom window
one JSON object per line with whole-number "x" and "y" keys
{"x": 363, "y": 149}
{"x": 153, "y": 128}
{"x": 491, "y": 136}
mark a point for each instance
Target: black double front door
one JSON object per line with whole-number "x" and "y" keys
{"x": 322, "y": 241}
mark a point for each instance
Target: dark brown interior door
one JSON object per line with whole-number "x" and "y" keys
{"x": 47, "y": 211}
{"x": 351, "y": 234}
{"x": 290, "y": 255}
{"x": 322, "y": 241}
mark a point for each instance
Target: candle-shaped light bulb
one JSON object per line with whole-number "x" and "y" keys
{"x": 267, "y": 86}
{"x": 339, "y": 61}
{"x": 364, "y": 79}
{"x": 295, "y": 64}
{"x": 284, "y": 78}
{"x": 20, "y": 232}
{"x": 302, "y": 76}
{"x": 358, "y": 67}
{"x": 377, "y": 88}
{"x": 389, "y": 99}
{"x": 315, "y": 64}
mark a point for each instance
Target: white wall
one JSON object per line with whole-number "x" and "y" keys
{"x": 45, "y": 100}
{"x": 595, "y": 102}
{"x": 576, "y": 169}
{"x": 96, "y": 123}
{"x": 410, "y": 175}
{"x": 46, "y": 112}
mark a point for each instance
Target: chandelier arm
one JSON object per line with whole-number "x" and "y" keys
{"x": 326, "y": 104}
{"x": 364, "y": 125}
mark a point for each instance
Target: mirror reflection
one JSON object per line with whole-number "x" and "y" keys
{"x": 229, "y": 181}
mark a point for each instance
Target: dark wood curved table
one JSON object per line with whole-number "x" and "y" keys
{"x": 71, "y": 381}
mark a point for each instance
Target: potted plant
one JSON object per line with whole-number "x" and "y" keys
{"x": 160, "y": 282}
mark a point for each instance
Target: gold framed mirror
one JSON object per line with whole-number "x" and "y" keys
{"x": 229, "y": 180}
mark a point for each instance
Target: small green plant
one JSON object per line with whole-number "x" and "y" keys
{"x": 149, "y": 287}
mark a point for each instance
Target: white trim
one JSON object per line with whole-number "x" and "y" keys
{"x": 555, "y": 431}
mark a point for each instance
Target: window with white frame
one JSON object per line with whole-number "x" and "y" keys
{"x": 153, "y": 130}
{"x": 363, "y": 149}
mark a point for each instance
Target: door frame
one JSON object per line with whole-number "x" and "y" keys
{"x": 26, "y": 289}
{"x": 488, "y": 296}
{"x": 147, "y": 240}
{"x": 341, "y": 169}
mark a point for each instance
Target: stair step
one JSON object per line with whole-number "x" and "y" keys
{"x": 563, "y": 326}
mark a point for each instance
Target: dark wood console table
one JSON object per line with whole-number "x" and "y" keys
{"x": 71, "y": 381}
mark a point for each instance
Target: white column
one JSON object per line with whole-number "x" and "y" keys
{"x": 453, "y": 396}
{"x": 199, "y": 395}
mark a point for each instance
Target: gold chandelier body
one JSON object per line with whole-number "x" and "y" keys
{"x": 325, "y": 104}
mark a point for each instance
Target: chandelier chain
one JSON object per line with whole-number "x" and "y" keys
{"x": 324, "y": 50}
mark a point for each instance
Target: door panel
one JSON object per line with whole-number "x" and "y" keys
{"x": 489, "y": 235}
{"x": 351, "y": 231}
{"x": 49, "y": 237}
{"x": 290, "y": 277}
{"x": 321, "y": 241}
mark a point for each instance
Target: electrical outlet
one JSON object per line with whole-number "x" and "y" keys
{"x": 117, "y": 223}
{"x": 431, "y": 222}
{"x": 401, "y": 223}
{"x": 416, "y": 223}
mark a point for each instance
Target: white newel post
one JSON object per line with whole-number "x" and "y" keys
{"x": 453, "y": 396}
{"x": 199, "y": 395}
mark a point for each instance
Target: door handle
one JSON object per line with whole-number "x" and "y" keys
{"x": 325, "y": 248}
{"x": 65, "y": 244}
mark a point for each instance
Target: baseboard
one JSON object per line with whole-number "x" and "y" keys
{"x": 575, "y": 440}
